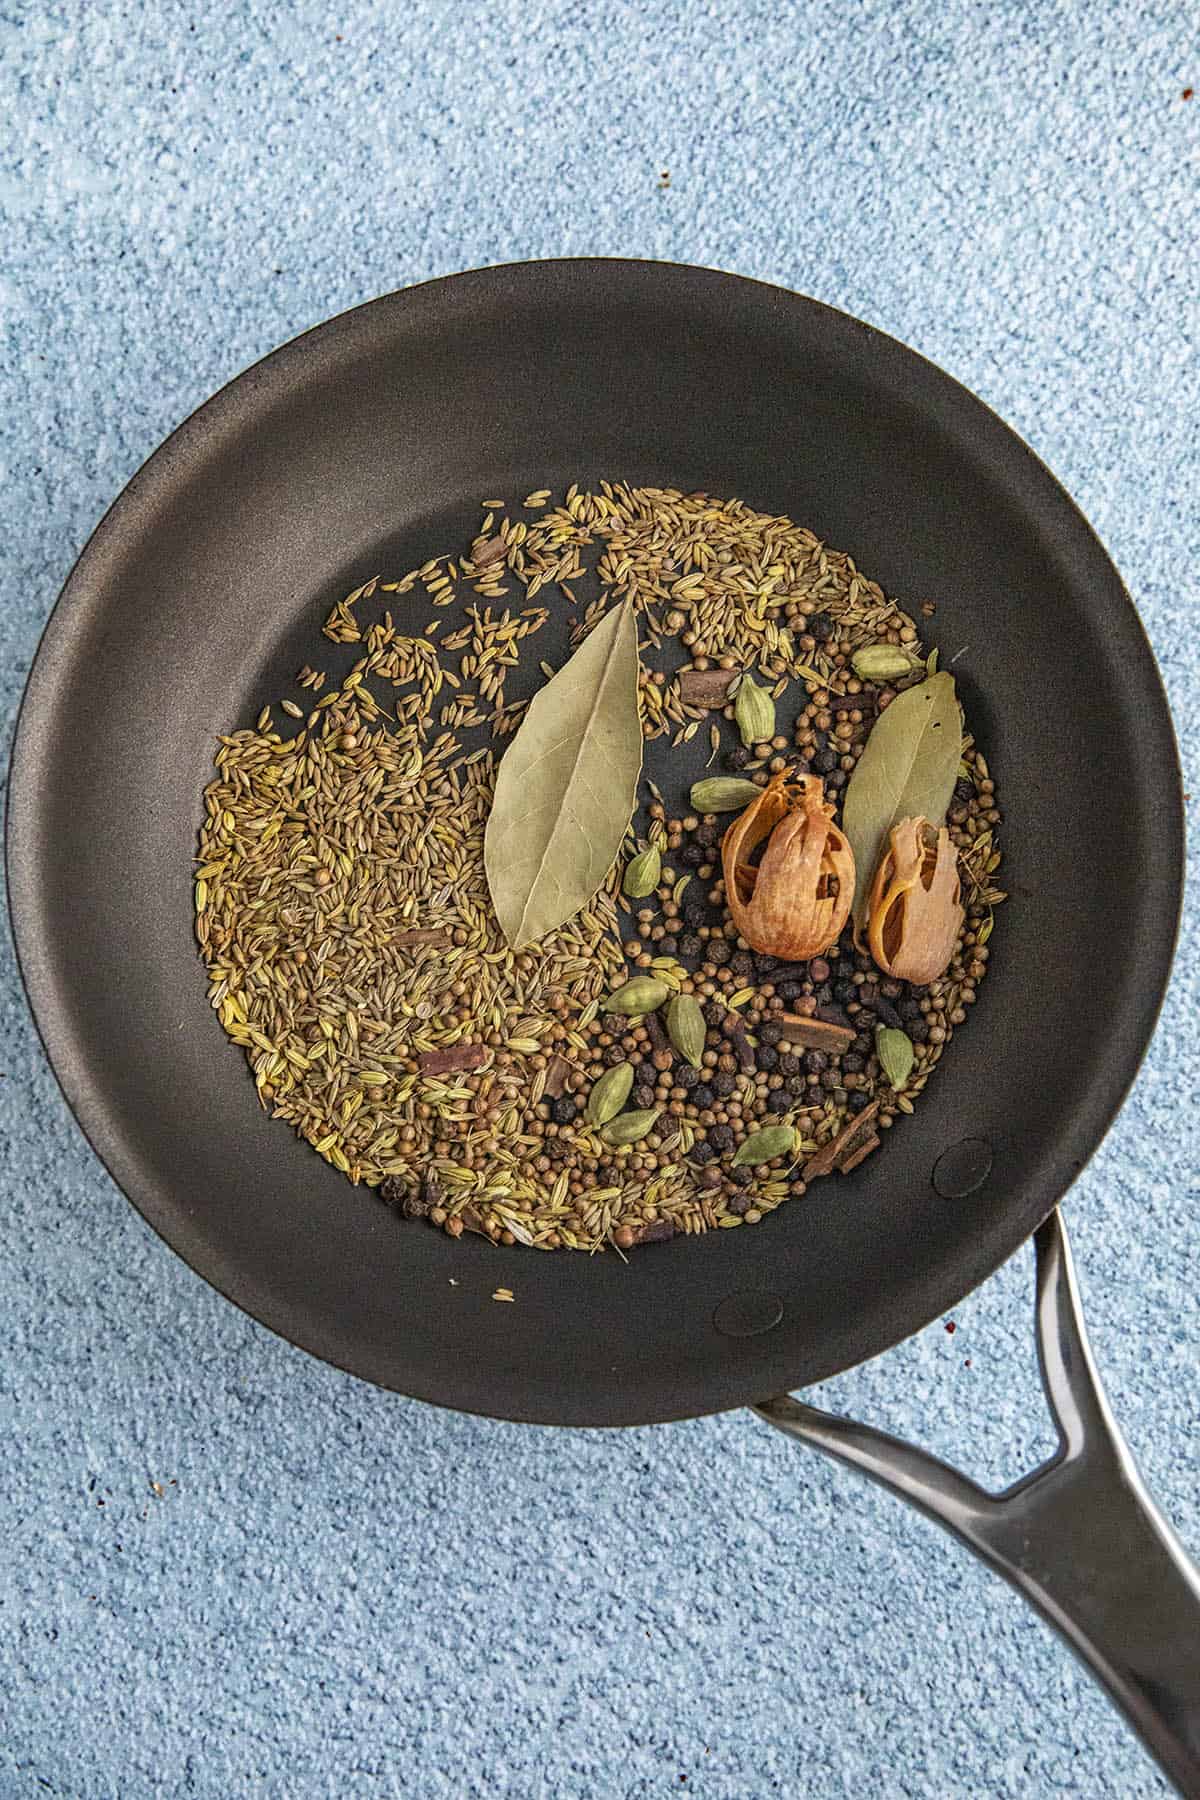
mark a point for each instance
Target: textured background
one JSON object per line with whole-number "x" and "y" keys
{"x": 340, "y": 1590}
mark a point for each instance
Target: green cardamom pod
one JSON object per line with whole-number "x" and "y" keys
{"x": 754, "y": 712}
{"x": 641, "y": 995}
{"x": 630, "y": 1127}
{"x": 609, "y": 1094}
{"x": 882, "y": 662}
{"x": 685, "y": 1028}
{"x": 723, "y": 793}
{"x": 765, "y": 1145}
{"x": 642, "y": 873}
{"x": 896, "y": 1055}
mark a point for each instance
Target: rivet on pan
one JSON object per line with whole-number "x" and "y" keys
{"x": 745, "y": 1315}
{"x": 962, "y": 1168}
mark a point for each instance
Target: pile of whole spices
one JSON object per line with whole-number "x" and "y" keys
{"x": 641, "y": 1070}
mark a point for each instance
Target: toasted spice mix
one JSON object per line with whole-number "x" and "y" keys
{"x": 713, "y": 1028}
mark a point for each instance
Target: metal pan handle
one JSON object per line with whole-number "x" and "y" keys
{"x": 1080, "y": 1537}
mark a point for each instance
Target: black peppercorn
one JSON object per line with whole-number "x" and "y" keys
{"x": 815, "y": 1061}
{"x": 694, "y": 910}
{"x": 723, "y": 1085}
{"x": 835, "y": 781}
{"x": 692, "y": 855}
{"x": 852, "y": 1064}
{"x": 737, "y": 759}
{"x": 666, "y": 946}
{"x": 701, "y": 1152}
{"x": 822, "y": 627}
{"x": 831, "y": 1079}
{"x": 789, "y": 1065}
{"x": 614, "y": 1054}
{"x": 719, "y": 951}
{"x": 690, "y": 947}
{"x": 824, "y": 762}
{"x": 643, "y": 1097}
{"x": 768, "y": 1057}
{"x": 857, "y": 1101}
{"x": 721, "y": 1137}
{"x": 770, "y": 1034}
{"x": 789, "y": 990}
{"x": 885, "y": 1011}
{"x": 742, "y": 964}
{"x": 908, "y": 1008}
{"x": 918, "y": 1031}
{"x": 742, "y": 1178}
{"x": 708, "y": 834}
{"x": 844, "y": 992}
{"x": 964, "y": 790}
{"x": 778, "y": 1100}
{"x": 715, "y": 1015}
{"x": 795, "y": 1085}
{"x": 686, "y": 1076}
{"x": 563, "y": 1110}
{"x": 702, "y": 1096}
{"x": 645, "y": 1074}
{"x": 741, "y": 1202}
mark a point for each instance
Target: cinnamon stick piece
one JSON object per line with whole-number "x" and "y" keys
{"x": 452, "y": 1061}
{"x": 816, "y": 1034}
{"x": 830, "y": 1155}
{"x": 707, "y": 688}
{"x": 408, "y": 940}
{"x": 859, "y": 1155}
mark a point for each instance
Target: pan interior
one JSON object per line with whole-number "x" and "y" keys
{"x": 365, "y": 447}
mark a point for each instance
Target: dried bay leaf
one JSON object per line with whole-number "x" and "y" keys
{"x": 567, "y": 785}
{"x": 907, "y": 771}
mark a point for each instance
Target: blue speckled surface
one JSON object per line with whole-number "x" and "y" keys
{"x": 340, "y": 1591}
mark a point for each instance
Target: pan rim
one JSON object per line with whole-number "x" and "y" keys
{"x": 219, "y": 411}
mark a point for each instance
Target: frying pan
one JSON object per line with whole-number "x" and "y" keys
{"x": 366, "y": 445}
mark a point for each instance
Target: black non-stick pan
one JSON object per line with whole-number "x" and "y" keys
{"x": 367, "y": 445}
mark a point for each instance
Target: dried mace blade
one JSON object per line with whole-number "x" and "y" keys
{"x": 907, "y": 770}
{"x": 794, "y": 901}
{"x": 915, "y": 911}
